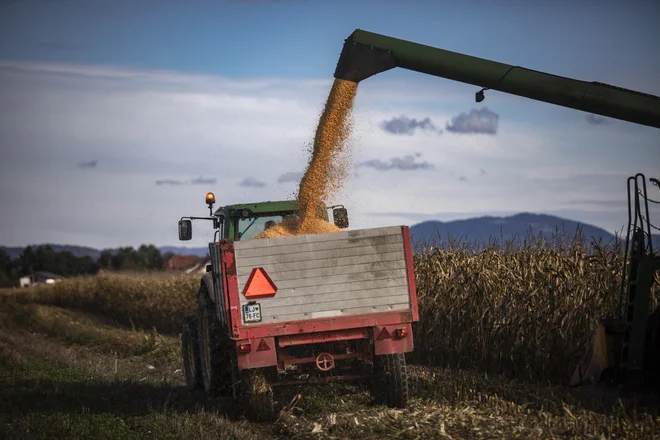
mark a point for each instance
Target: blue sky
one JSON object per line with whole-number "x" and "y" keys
{"x": 141, "y": 90}
{"x": 301, "y": 39}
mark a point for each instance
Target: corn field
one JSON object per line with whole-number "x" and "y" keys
{"x": 521, "y": 311}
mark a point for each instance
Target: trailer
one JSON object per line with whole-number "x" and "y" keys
{"x": 300, "y": 310}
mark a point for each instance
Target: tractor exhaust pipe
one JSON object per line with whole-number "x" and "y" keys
{"x": 366, "y": 54}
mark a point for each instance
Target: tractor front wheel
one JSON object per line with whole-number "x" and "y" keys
{"x": 390, "y": 382}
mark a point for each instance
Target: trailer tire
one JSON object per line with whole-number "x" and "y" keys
{"x": 390, "y": 382}
{"x": 252, "y": 391}
{"x": 211, "y": 348}
{"x": 192, "y": 365}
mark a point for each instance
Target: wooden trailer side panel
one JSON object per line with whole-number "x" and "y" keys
{"x": 339, "y": 274}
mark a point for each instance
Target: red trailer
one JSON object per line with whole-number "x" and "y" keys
{"x": 305, "y": 309}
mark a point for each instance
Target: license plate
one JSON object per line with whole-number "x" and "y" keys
{"x": 251, "y": 313}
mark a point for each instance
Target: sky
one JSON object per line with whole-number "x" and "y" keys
{"x": 116, "y": 117}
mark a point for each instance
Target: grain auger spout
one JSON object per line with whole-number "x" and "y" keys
{"x": 366, "y": 54}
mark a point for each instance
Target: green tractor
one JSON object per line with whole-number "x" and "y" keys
{"x": 238, "y": 222}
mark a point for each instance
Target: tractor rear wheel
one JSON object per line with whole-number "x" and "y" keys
{"x": 211, "y": 347}
{"x": 390, "y": 382}
{"x": 192, "y": 365}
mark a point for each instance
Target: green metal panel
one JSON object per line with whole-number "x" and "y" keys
{"x": 268, "y": 207}
{"x": 366, "y": 53}
{"x": 647, "y": 268}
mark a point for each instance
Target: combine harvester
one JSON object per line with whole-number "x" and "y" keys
{"x": 626, "y": 345}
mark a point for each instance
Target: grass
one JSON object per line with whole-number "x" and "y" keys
{"x": 500, "y": 332}
{"x": 88, "y": 386}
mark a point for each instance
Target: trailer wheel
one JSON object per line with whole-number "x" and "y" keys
{"x": 211, "y": 338}
{"x": 390, "y": 382}
{"x": 252, "y": 391}
{"x": 192, "y": 365}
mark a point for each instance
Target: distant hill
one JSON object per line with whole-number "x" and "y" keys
{"x": 82, "y": 251}
{"x": 515, "y": 227}
{"x": 77, "y": 251}
{"x": 473, "y": 230}
{"x": 197, "y": 251}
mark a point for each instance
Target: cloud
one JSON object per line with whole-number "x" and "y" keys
{"x": 403, "y": 125}
{"x": 135, "y": 121}
{"x": 203, "y": 181}
{"x": 462, "y": 178}
{"x": 405, "y": 163}
{"x": 481, "y": 121}
{"x": 195, "y": 181}
{"x": 597, "y": 120}
{"x": 251, "y": 182}
{"x": 169, "y": 182}
{"x": 482, "y": 172}
{"x": 290, "y": 177}
{"x": 616, "y": 204}
{"x": 90, "y": 164}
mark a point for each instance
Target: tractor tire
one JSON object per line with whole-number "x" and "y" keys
{"x": 390, "y": 382}
{"x": 212, "y": 348}
{"x": 192, "y": 365}
{"x": 252, "y": 392}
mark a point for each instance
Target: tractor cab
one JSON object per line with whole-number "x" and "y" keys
{"x": 245, "y": 221}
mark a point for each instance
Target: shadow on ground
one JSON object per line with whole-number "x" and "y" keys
{"x": 112, "y": 397}
{"x": 456, "y": 386}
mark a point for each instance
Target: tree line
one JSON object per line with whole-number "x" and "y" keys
{"x": 66, "y": 264}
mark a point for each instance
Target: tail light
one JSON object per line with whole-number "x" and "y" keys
{"x": 401, "y": 332}
{"x": 244, "y": 348}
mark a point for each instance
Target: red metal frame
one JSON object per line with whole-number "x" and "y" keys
{"x": 315, "y": 338}
{"x": 240, "y": 331}
{"x": 393, "y": 344}
{"x": 286, "y": 358}
{"x": 407, "y": 247}
{"x": 256, "y": 358}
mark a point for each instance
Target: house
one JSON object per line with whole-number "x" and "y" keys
{"x": 199, "y": 268}
{"x": 185, "y": 263}
{"x": 39, "y": 278}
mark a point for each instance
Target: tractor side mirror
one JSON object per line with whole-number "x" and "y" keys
{"x": 340, "y": 217}
{"x": 185, "y": 230}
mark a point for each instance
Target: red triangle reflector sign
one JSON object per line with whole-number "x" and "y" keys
{"x": 259, "y": 285}
{"x": 263, "y": 346}
{"x": 384, "y": 334}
